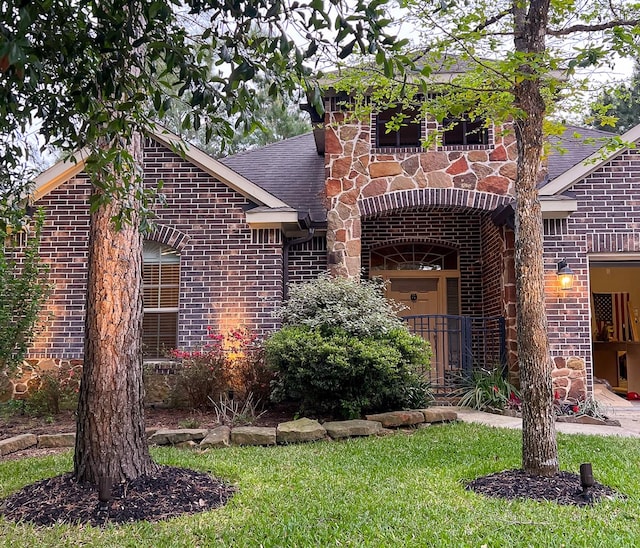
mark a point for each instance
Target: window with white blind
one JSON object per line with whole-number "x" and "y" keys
{"x": 161, "y": 289}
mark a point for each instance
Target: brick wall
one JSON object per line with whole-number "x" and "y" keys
{"x": 230, "y": 275}
{"x": 308, "y": 260}
{"x": 493, "y": 267}
{"x": 607, "y": 221}
{"x": 64, "y": 247}
{"x": 451, "y": 229}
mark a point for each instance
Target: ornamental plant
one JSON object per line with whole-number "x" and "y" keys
{"x": 588, "y": 407}
{"x": 343, "y": 351}
{"x": 54, "y": 390}
{"x": 488, "y": 390}
{"x": 230, "y": 364}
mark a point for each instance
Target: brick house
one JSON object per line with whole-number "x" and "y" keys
{"x": 356, "y": 200}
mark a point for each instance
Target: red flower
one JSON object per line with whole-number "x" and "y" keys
{"x": 575, "y": 408}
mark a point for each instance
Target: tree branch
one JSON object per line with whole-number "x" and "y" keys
{"x": 594, "y": 28}
{"x": 493, "y": 19}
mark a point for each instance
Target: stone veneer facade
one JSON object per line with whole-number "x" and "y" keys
{"x": 361, "y": 180}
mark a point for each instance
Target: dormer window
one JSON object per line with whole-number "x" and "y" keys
{"x": 464, "y": 131}
{"x": 408, "y": 135}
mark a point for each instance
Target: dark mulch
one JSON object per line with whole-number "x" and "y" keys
{"x": 155, "y": 417}
{"x": 170, "y": 493}
{"x": 562, "y": 488}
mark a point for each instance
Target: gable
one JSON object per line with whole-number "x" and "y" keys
{"x": 564, "y": 181}
{"x": 273, "y": 210}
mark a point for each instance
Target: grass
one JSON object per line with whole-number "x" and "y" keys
{"x": 401, "y": 490}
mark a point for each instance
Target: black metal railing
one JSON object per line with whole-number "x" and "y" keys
{"x": 459, "y": 344}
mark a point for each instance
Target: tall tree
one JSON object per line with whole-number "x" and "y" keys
{"x": 277, "y": 118}
{"x": 96, "y": 75}
{"x": 514, "y": 62}
{"x": 618, "y": 108}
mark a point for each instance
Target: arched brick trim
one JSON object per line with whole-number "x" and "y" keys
{"x": 613, "y": 243}
{"x": 450, "y": 199}
{"x": 168, "y": 236}
{"x": 410, "y": 240}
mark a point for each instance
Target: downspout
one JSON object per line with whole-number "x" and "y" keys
{"x": 285, "y": 258}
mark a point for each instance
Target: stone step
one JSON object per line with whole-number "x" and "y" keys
{"x": 352, "y": 428}
{"x": 17, "y": 443}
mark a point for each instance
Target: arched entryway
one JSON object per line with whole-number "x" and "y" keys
{"x": 447, "y": 269}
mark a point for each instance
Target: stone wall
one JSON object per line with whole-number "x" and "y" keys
{"x": 356, "y": 171}
{"x": 569, "y": 379}
{"x": 17, "y": 386}
{"x": 158, "y": 379}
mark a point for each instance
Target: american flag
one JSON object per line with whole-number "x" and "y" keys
{"x": 613, "y": 309}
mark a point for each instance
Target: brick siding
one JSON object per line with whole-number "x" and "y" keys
{"x": 607, "y": 221}
{"x": 229, "y": 275}
{"x": 308, "y": 260}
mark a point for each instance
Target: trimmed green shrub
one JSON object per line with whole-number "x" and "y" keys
{"x": 343, "y": 351}
{"x": 356, "y": 306}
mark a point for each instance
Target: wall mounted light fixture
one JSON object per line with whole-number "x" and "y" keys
{"x": 565, "y": 275}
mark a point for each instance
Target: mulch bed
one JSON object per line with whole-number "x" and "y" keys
{"x": 562, "y": 488}
{"x": 171, "y": 492}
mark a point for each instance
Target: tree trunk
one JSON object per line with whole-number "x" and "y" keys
{"x": 539, "y": 448}
{"x": 110, "y": 439}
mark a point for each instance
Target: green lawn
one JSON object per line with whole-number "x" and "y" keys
{"x": 401, "y": 490}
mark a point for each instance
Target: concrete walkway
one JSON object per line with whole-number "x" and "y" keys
{"x": 626, "y": 412}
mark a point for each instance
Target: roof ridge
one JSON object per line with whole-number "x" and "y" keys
{"x": 587, "y": 128}
{"x": 270, "y": 145}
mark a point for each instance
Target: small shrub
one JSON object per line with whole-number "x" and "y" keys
{"x": 488, "y": 390}
{"x": 199, "y": 375}
{"x": 249, "y": 374}
{"x": 336, "y": 372}
{"x": 343, "y": 350}
{"x": 355, "y": 306}
{"x": 12, "y": 408}
{"x": 235, "y": 412}
{"x": 53, "y": 390}
{"x": 231, "y": 363}
{"x": 586, "y": 407}
{"x": 191, "y": 422}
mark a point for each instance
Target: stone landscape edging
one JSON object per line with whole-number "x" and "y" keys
{"x": 297, "y": 431}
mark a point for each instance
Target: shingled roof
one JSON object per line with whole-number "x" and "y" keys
{"x": 291, "y": 170}
{"x": 294, "y": 172}
{"x": 573, "y": 149}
